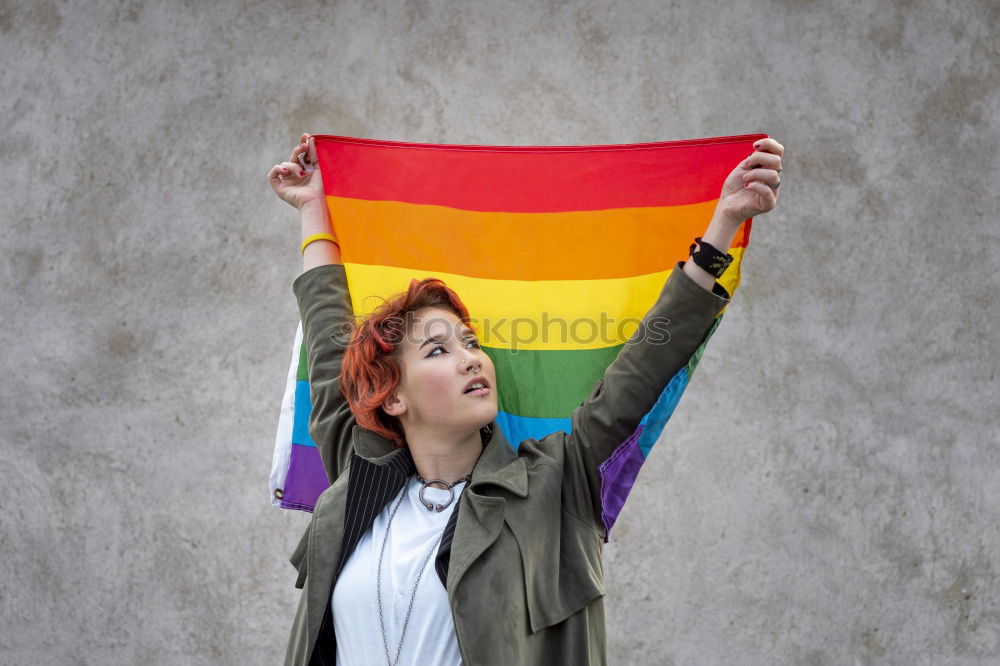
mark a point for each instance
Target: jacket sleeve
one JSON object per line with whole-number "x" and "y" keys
{"x": 669, "y": 335}
{"x": 327, "y": 320}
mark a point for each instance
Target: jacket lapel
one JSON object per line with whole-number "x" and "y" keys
{"x": 325, "y": 540}
{"x": 481, "y": 512}
{"x": 378, "y": 470}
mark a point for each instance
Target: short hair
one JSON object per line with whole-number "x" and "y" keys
{"x": 371, "y": 370}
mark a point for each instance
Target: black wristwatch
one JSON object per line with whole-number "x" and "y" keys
{"x": 709, "y": 257}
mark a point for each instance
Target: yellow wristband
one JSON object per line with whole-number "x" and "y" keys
{"x": 316, "y": 237}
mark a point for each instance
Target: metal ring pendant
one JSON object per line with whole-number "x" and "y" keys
{"x": 430, "y": 505}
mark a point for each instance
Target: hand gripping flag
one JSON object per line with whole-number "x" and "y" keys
{"x": 557, "y": 252}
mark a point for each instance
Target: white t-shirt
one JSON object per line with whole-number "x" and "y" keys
{"x": 430, "y": 634}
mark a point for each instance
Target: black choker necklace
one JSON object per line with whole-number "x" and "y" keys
{"x": 450, "y": 487}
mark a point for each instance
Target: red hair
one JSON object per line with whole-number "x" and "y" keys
{"x": 371, "y": 370}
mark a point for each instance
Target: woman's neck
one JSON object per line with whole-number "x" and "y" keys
{"x": 437, "y": 457}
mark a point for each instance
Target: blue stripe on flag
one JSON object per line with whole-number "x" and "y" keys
{"x": 656, "y": 419}
{"x": 300, "y": 422}
{"x": 517, "y": 428}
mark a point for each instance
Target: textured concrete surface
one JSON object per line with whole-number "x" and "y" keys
{"x": 828, "y": 491}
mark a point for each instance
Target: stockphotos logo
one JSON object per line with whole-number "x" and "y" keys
{"x": 521, "y": 333}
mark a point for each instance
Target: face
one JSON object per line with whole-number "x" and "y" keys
{"x": 442, "y": 360}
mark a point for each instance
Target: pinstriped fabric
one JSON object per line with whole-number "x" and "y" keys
{"x": 443, "y": 558}
{"x": 325, "y": 651}
{"x": 370, "y": 488}
{"x": 403, "y": 463}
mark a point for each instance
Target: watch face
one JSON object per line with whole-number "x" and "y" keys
{"x": 716, "y": 265}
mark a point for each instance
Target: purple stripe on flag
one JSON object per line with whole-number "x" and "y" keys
{"x": 618, "y": 474}
{"x": 306, "y": 479}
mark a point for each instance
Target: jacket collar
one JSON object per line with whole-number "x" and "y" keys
{"x": 499, "y": 465}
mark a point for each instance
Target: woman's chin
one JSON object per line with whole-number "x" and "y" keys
{"x": 486, "y": 417}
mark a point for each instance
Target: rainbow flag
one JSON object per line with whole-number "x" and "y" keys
{"x": 557, "y": 251}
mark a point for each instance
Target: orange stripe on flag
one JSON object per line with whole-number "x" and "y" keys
{"x": 578, "y": 245}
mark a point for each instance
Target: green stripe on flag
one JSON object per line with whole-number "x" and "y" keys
{"x": 547, "y": 384}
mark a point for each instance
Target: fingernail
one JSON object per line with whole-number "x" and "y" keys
{"x": 301, "y": 174}
{"x": 757, "y": 145}
{"x": 746, "y": 184}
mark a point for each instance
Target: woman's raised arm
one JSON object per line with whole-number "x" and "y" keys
{"x": 669, "y": 336}
{"x": 324, "y": 306}
{"x": 303, "y": 188}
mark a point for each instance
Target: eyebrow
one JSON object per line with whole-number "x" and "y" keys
{"x": 433, "y": 338}
{"x": 467, "y": 333}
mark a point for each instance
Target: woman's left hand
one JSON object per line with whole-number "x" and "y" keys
{"x": 752, "y": 187}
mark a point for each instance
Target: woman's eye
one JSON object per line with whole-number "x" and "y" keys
{"x": 437, "y": 348}
{"x": 472, "y": 344}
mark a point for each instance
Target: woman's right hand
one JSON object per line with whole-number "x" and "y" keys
{"x": 294, "y": 185}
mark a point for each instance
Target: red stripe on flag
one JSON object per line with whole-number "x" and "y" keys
{"x": 531, "y": 178}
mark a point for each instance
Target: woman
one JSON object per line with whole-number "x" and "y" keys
{"x": 437, "y": 542}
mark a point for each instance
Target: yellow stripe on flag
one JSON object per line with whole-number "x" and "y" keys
{"x": 533, "y": 314}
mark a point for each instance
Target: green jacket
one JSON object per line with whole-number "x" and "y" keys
{"x": 525, "y": 579}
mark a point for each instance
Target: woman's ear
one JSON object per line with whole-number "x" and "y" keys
{"x": 393, "y": 406}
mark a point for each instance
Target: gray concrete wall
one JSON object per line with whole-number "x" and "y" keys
{"x": 827, "y": 492}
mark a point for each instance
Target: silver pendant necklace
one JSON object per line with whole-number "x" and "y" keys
{"x": 450, "y": 487}
{"x": 390, "y": 661}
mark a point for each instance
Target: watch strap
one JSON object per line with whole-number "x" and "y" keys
{"x": 709, "y": 257}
